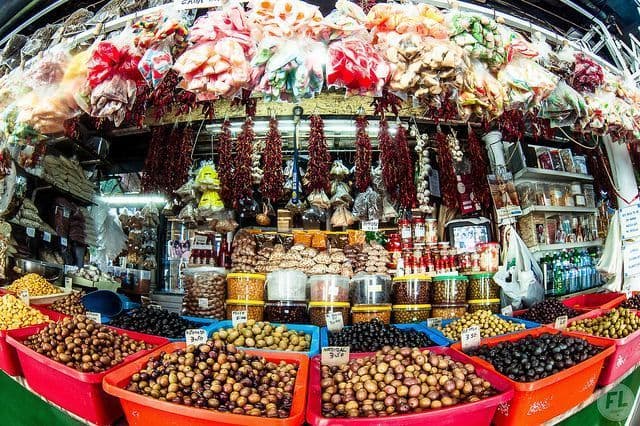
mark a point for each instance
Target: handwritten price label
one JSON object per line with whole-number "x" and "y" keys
{"x": 95, "y": 316}
{"x": 561, "y": 322}
{"x": 46, "y": 237}
{"x": 154, "y": 306}
{"x": 370, "y": 225}
{"x": 238, "y": 317}
{"x": 434, "y": 322}
{"x": 31, "y": 232}
{"x": 335, "y": 355}
{"x": 195, "y": 336}
{"x": 24, "y": 296}
{"x": 203, "y": 302}
{"x": 470, "y": 338}
{"x": 63, "y": 242}
{"x": 335, "y": 322}
{"x": 68, "y": 283}
{"x": 507, "y": 311}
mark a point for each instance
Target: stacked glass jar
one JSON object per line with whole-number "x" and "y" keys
{"x": 329, "y": 294}
{"x": 370, "y": 298}
{"x": 287, "y": 295}
{"x": 483, "y": 293}
{"x": 245, "y": 292}
{"x": 411, "y": 297}
{"x": 449, "y": 296}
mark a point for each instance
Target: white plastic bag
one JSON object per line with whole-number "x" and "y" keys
{"x": 610, "y": 264}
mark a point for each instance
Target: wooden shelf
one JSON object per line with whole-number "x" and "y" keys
{"x": 564, "y": 246}
{"x": 559, "y": 210}
{"x": 551, "y": 176}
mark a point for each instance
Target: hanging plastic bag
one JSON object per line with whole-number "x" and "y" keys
{"x": 368, "y": 205}
{"x": 526, "y": 83}
{"x": 610, "y": 264}
{"x": 283, "y": 19}
{"x": 479, "y": 36}
{"x": 482, "y": 93}
{"x": 563, "y": 107}
{"x": 347, "y": 19}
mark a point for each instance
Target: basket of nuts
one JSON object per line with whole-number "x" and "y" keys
{"x": 41, "y": 292}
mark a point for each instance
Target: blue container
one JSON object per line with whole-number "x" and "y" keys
{"x": 437, "y": 338}
{"x": 528, "y": 325}
{"x": 313, "y": 330}
{"x": 127, "y": 304}
{"x": 202, "y": 323}
{"x": 106, "y": 302}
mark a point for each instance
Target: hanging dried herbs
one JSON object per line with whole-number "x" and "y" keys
{"x": 388, "y": 160}
{"x": 479, "y": 170}
{"x": 225, "y": 163}
{"x": 242, "y": 165}
{"x": 404, "y": 166}
{"x": 363, "y": 155}
{"x": 447, "y": 174}
{"x": 317, "y": 174}
{"x": 272, "y": 185}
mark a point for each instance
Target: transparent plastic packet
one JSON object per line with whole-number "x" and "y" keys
{"x": 406, "y": 18}
{"x": 526, "y": 82}
{"x": 283, "y": 19}
{"x": 368, "y": 205}
{"x": 347, "y": 19}
{"x": 563, "y": 107}
{"x": 39, "y": 41}
{"x": 482, "y": 93}
{"x": 479, "y": 36}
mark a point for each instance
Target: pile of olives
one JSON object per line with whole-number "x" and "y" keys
{"x": 399, "y": 381}
{"x": 70, "y": 305}
{"x": 154, "y": 321}
{"x": 264, "y": 335}
{"x": 374, "y": 335}
{"x": 220, "y": 377}
{"x": 490, "y": 325}
{"x": 534, "y": 358}
{"x": 547, "y": 311}
{"x": 632, "y": 303}
{"x": 615, "y": 324}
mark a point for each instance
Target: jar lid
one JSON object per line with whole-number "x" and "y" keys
{"x": 422, "y": 277}
{"x": 371, "y": 308}
{"x": 450, "y": 277}
{"x": 329, "y": 304}
{"x": 196, "y": 269}
{"x": 245, "y": 302}
{"x": 286, "y": 303}
{"x": 482, "y": 301}
{"x": 481, "y": 274}
{"x": 410, "y": 307}
{"x": 246, "y": 275}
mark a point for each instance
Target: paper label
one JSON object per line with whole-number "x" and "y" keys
{"x": 333, "y": 290}
{"x": 24, "y": 296}
{"x": 470, "y": 338}
{"x": 630, "y": 222}
{"x": 68, "y": 283}
{"x": 434, "y": 322}
{"x": 154, "y": 306}
{"x": 65, "y": 213}
{"x": 238, "y": 317}
{"x": 31, "y": 232}
{"x": 63, "y": 241}
{"x": 203, "y": 302}
{"x": 374, "y": 288}
{"x": 46, "y": 237}
{"x": 335, "y": 322}
{"x": 507, "y": 311}
{"x": 195, "y": 4}
{"x": 369, "y": 225}
{"x": 195, "y": 336}
{"x": 631, "y": 258}
{"x": 335, "y": 355}
{"x": 561, "y": 322}
{"x": 95, "y": 316}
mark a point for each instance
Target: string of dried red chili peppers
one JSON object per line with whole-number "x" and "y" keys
{"x": 250, "y": 104}
{"x": 511, "y": 125}
{"x": 242, "y": 166}
{"x": 164, "y": 95}
{"x": 388, "y": 160}
{"x": 478, "y": 170}
{"x": 387, "y": 102}
{"x": 317, "y": 174}
{"x": 225, "y": 163}
{"x": 272, "y": 185}
{"x": 404, "y": 166}
{"x": 447, "y": 175}
{"x": 183, "y": 160}
{"x": 363, "y": 155}
{"x": 153, "y": 162}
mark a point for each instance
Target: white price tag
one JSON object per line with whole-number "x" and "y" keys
{"x": 507, "y": 311}
{"x": 374, "y": 288}
{"x": 68, "y": 283}
{"x": 238, "y": 317}
{"x": 66, "y": 213}
{"x": 335, "y": 355}
{"x": 46, "y": 237}
{"x": 470, "y": 338}
{"x": 154, "y": 306}
{"x": 369, "y": 225}
{"x": 203, "y": 303}
{"x": 31, "y": 232}
{"x": 95, "y": 316}
{"x": 333, "y": 290}
{"x": 195, "y": 336}
{"x": 196, "y": 4}
{"x": 434, "y": 322}
{"x": 335, "y": 322}
{"x": 63, "y": 241}
{"x": 561, "y": 322}
{"x": 24, "y": 296}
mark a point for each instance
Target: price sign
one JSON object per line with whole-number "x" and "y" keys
{"x": 95, "y": 316}
{"x": 238, "y": 317}
{"x": 470, "y": 338}
{"x": 63, "y": 241}
{"x": 65, "y": 213}
{"x": 154, "y": 306}
{"x": 561, "y": 322}
{"x": 68, "y": 283}
{"x": 369, "y": 225}
{"x": 630, "y": 222}
{"x": 374, "y": 288}
{"x": 46, "y": 237}
{"x": 195, "y": 336}
{"x": 24, "y": 296}
{"x": 31, "y": 232}
{"x": 507, "y": 311}
{"x": 434, "y": 322}
{"x": 335, "y": 322}
{"x": 195, "y": 4}
{"x": 335, "y": 355}
{"x": 203, "y": 303}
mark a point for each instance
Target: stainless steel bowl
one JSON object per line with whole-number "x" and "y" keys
{"x": 49, "y": 271}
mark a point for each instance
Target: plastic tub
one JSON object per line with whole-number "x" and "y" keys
{"x": 449, "y": 289}
{"x": 329, "y": 288}
{"x": 242, "y": 286}
{"x": 290, "y": 285}
{"x": 308, "y": 329}
{"x": 595, "y": 301}
{"x": 492, "y": 305}
{"x": 371, "y": 290}
{"x": 105, "y": 302}
{"x": 143, "y": 411}
{"x": 319, "y": 310}
{"x": 436, "y": 338}
{"x": 470, "y": 414}
{"x": 411, "y": 290}
{"x": 79, "y": 393}
{"x": 403, "y": 314}
{"x": 448, "y": 310}
{"x": 482, "y": 286}
{"x": 254, "y": 308}
{"x": 534, "y": 403}
{"x": 527, "y": 324}
{"x": 625, "y": 356}
{"x": 286, "y": 312}
{"x": 205, "y": 289}
{"x": 364, "y": 313}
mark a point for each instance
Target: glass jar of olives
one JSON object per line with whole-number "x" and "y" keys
{"x": 319, "y": 310}
{"x": 403, "y": 314}
{"x": 450, "y": 310}
{"x": 492, "y": 305}
{"x": 364, "y": 313}
{"x": 482, "y": 286}
{"x": 411, "y": 290}
{"x": 254, "y": 308}
{"x": 371, "y": 290}
{"x": 286, "y": 312}
{"x": 449, "y": 289}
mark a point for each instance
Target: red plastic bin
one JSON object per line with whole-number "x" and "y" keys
{"x": 145, "y": 411}
{"x": 534, "y": 403}
{"x": 9, "y": 362}
{"x": 625, "y": 356}
{"x": 79, "y": 393}
{"x": 595, "y": 301}
{"x": 469, "y": 414}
